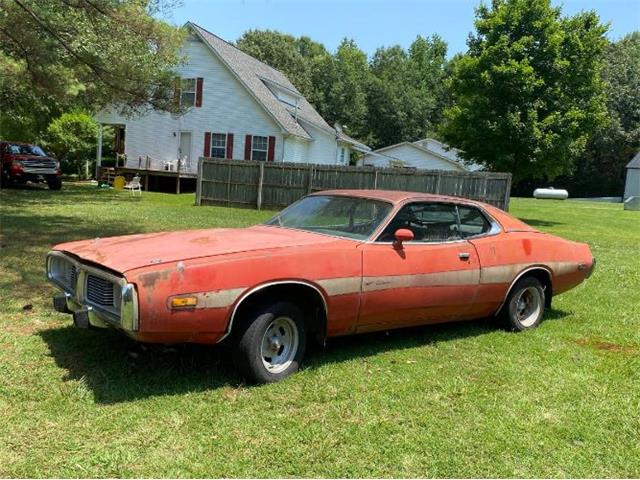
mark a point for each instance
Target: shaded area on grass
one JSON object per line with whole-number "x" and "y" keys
{"x": 117, "y": 369}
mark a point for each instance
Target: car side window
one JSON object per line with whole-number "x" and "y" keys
{"x": 472, "y": 222}
{"x": 429, "y": 222}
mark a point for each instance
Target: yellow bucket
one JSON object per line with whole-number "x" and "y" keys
{"x": 118, "y": 182}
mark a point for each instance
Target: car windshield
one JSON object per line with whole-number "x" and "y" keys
{"x": 25, "y": 150}
{"x": 351, "y": 217}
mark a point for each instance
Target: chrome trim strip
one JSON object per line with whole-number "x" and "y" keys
{"x": 253, "y": 290}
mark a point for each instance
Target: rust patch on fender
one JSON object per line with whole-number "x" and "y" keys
{"x": 150, "y": 279}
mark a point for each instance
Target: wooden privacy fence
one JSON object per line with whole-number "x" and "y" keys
{"x": 276, "y": 185}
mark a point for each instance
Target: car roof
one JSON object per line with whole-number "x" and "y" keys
{"x": 396, "y": 196}
{"x": 508, "y": 222}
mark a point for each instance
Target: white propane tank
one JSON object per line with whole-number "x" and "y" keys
{"x": 551, "y": 193}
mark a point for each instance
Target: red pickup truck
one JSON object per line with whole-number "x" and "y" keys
{"x": 24, "y": 162}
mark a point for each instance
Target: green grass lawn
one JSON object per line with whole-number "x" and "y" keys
{"x": 463, "y": 400}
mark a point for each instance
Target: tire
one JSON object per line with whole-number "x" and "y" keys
{"x": 6, "y": 182}
{"x": 55, "y": 183}
{"x": 271, "y": 343}
{"x": 524, "y": 307}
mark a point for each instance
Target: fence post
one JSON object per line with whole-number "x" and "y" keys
{"x": 438, "y": 178}
{"x": 260, "y": 181}
{"x": 229, "y": 184}
{"x": 375, "y": 179}
{"x": 310, "y": 179}
{"x": 507, "y": 193}
{"x": 484, "y": 189}
{"x": 199, "y": 182}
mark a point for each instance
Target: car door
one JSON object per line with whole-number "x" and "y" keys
{"x": 432, "y": 279}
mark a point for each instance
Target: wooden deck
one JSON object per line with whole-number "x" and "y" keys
{"x": 157, "y": 180}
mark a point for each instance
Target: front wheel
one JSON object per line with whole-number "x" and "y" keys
{"x": 271, "y": 344}
{"x": 54, "y": 183}
{"x": 524, "y": 306}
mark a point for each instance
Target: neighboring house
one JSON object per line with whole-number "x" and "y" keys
{"x": 426, "y": 154}
{"x": 632, "y": 184}
{"x": 238, "y": 108}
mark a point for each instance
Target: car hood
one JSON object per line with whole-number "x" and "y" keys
{"x": 136, "y": 251}
{"x": 27, "y": 158}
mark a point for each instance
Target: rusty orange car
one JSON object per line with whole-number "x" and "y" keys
{"x": 333, "y": 263}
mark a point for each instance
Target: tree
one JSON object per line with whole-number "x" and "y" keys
{"x": 279, "y": 51}
{"x": 601, "y": 170}
{"x": 528, "y": 93}
{"x": 72, "y": 138}
{"x": 406, "y": 92}
{"x": 347, "y": 98}
{"x": 56, "y": 55}
{"x": 307, "y": 64}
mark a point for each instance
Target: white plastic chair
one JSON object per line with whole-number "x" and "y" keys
{"x": 134, "y": 185}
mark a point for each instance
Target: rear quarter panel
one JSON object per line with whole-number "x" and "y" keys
{"x": 506, "y": 256}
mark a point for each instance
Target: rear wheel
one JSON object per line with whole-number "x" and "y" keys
{"x": 271, "y": 343}
{"x": 524, "y": 307}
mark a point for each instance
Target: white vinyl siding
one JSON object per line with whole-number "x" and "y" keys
{"x": 410, "y": 157}
{"x": 632, "y": 183}
{"x": 226, "y": 107}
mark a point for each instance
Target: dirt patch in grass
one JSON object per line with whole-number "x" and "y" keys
{"x": 607, "y": 346}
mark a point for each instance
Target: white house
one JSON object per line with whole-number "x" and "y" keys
{"x": 632, "y": 183}
{"x": 427, "y": 154}
{"x": 238, "y": 108}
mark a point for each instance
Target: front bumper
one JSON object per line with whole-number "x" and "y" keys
{"x": 76, "y": 300}
{"x": 84, "y": 316}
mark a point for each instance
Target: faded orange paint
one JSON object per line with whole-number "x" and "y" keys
{"x": 365, "y": 285}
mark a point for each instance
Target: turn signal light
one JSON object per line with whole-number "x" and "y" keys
{"x": 184, "y": 302}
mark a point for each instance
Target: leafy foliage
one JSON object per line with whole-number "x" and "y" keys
{"x": 56, "y": 55}
{"x": 528, "y": 93}
{"x": 72, "y": 137}
{"x": 601, "y": 170}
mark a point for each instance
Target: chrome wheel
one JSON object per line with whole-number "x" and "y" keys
{"x": 279, "y": 344}
{"x": 528, "y": 304}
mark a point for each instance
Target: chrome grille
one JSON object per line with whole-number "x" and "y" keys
{"x": 39, "y": 163}
{"x": 103, "y": 293}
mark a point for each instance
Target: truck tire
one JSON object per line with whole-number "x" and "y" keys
{"x": 54, "y": 183}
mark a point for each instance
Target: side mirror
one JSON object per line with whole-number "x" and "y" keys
{"x": 402, "y": 235}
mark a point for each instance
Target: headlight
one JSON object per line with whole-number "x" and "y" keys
{"x": 62, "y": 272}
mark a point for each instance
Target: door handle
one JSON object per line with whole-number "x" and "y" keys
{"x": 464, "y": 255}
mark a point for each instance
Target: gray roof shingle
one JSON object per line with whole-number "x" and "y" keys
{"x": 253, "y": 73}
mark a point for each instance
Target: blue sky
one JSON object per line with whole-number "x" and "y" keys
{"x": 373, "y": 23}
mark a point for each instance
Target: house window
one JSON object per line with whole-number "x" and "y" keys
{"x": 342, "y": 155}
{"x": 188, "y": 92}
{"x": 218, "y": 145}
{"x": 259, "y": 148}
